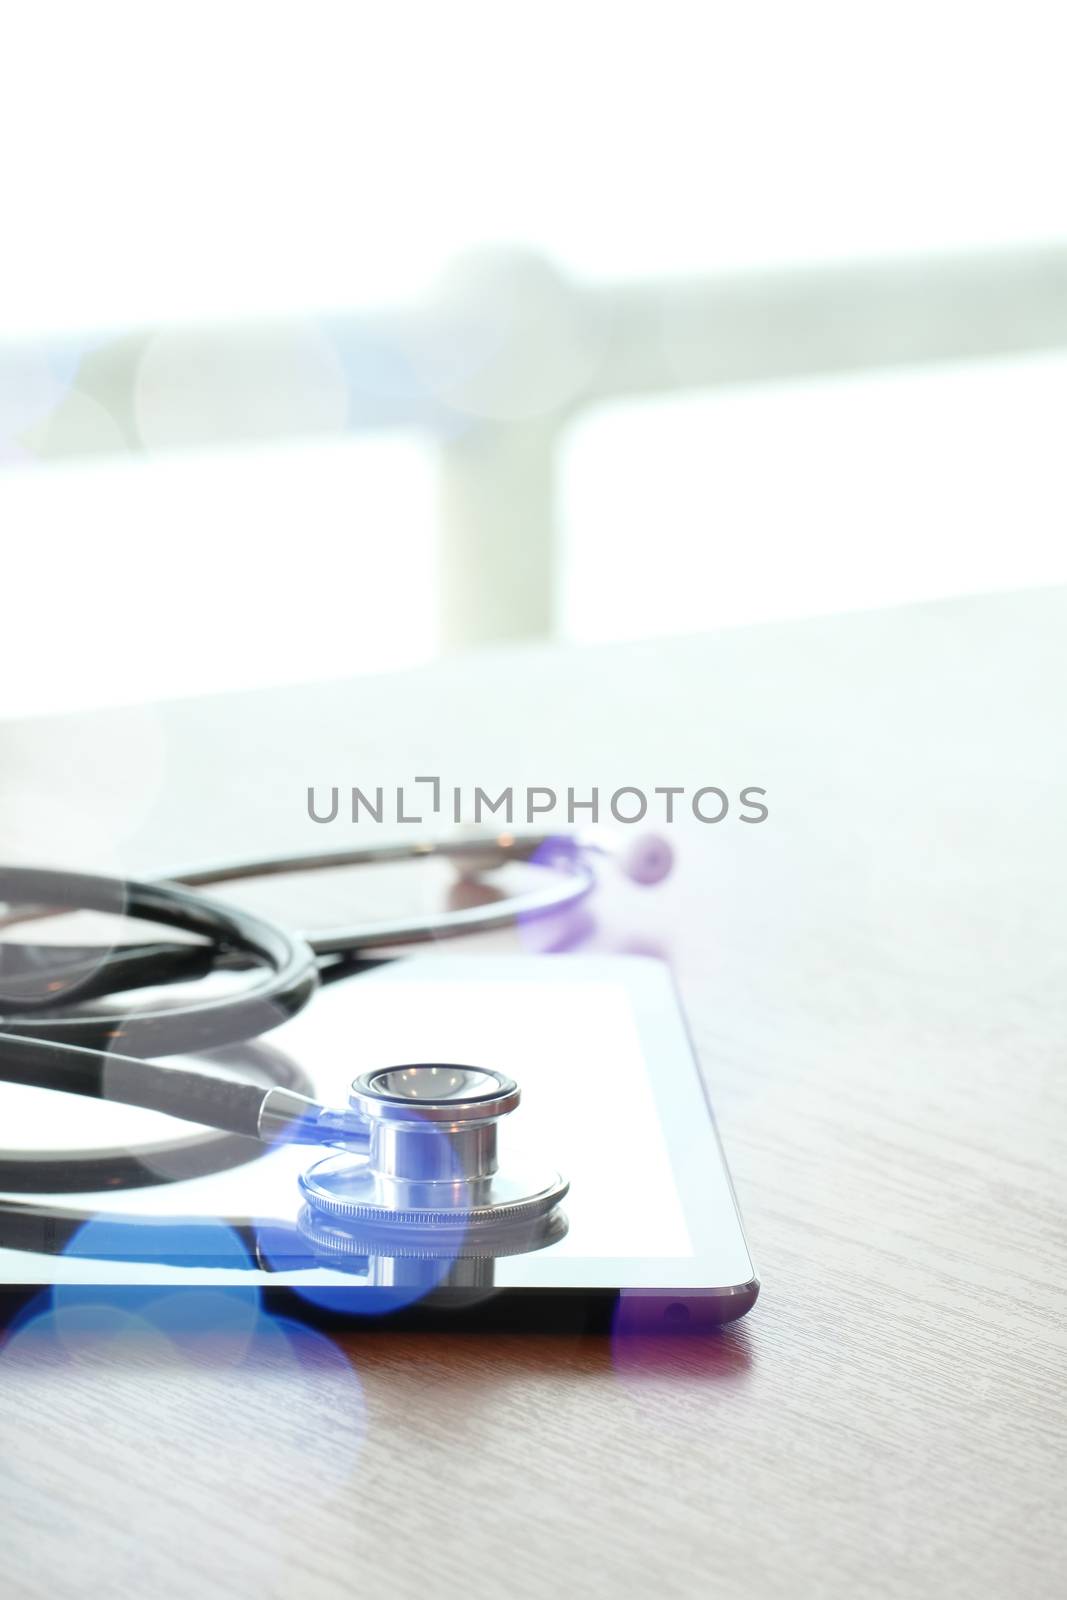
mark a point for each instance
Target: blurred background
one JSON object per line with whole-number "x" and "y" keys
{"x": 334, "y": 337}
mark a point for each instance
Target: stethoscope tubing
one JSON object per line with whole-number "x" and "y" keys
{"x": 289, "y": 980}
{"x": 570, "y": 879}
{"x": 102, "y": 1055}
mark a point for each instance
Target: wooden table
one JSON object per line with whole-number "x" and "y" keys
{"x": 877, "y": 979}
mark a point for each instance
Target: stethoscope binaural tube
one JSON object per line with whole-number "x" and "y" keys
{"x": 561, "y": 863}
{"x": 564, "y": 862}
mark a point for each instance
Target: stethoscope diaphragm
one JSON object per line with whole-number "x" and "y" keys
{"x": 429, "y": 1159}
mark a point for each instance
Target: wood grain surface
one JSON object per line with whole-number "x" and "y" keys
{"x": 877, "y": 982}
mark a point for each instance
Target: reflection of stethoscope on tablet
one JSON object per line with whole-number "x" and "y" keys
{"x": 417, "y": 1141}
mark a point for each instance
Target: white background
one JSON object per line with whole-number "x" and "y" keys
{"x": 170, "y": 162}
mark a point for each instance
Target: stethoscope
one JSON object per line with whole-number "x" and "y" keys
{"x": 416, "y": 1146}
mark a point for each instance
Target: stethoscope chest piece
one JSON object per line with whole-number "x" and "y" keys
{"x": 428, "y": 1162}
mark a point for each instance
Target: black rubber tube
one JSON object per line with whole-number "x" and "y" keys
{"x": 100, "y": 1075}
{"x": 101, "y": 1055}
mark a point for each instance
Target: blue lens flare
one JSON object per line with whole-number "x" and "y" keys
{"x": 222, "y": 1314}
{"x": 383, "y": 1278}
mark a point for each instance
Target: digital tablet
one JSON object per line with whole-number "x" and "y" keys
{"x": 612, "y": 1099}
